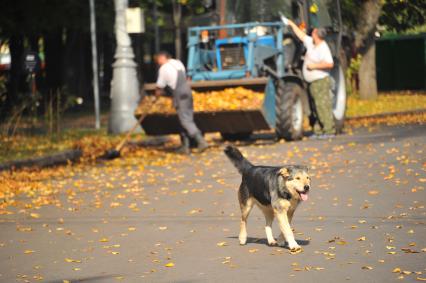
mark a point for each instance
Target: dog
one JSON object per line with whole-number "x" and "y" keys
{"x": 277, "y": 191}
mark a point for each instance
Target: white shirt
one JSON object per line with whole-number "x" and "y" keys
{"x": 168, "y": 73}
{"x": 315, "y": 54}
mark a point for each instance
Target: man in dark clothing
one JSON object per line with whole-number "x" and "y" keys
{"x": 172, "y": 79}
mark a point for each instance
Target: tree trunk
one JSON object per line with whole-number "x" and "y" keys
{"x": 365, "y": 45}
{"x": 177, "y": 16}
{"x": 367, "y": 74}
{"x": 53, "y": 53}
{"x": 156, "y": 27}
{"x": 17, "y": 80}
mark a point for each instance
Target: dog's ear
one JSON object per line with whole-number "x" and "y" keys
{"x": 285, "y": 172}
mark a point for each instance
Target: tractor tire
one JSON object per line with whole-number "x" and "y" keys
{"x": 338, "y": 90}
{"x": 289, "y": 111}
{"x": 235, "y": 136}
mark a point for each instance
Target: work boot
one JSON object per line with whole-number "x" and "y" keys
{"x": 184, "y": 148}
{"x": 201, "y": 142}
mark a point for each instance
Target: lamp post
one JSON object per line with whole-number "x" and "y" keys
{"x": 94, "y": 63}
{"x": 124, "y": 85}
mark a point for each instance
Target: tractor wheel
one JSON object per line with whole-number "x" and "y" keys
{"x": 289, "y": 111}
{"x": 235, "y": 136}
{"x": 338, "y": 90}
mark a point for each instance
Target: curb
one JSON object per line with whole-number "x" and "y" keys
{"x": 387, "y": 114}
{"x": 60, "y": 158}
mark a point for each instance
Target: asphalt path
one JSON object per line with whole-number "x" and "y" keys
{"x": 364, "y": 220}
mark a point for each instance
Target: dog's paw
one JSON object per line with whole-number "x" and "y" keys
{"x": 296, "y": 250}
{"x": 243, "y": 241}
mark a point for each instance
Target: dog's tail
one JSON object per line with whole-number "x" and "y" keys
{"x": 239, "y": 161}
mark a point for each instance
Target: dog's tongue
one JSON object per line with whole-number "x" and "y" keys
{"x": 304, "y": 197}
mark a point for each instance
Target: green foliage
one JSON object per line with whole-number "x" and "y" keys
{"x": 398, "y": 16}
{"x": 38, "y": 16}
{"x": 403, "y": 15}
{"x": 352, "y": 73}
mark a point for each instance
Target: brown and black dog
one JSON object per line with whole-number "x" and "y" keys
{"x": 277, "y": 191}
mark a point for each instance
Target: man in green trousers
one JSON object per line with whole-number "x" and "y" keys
{"x": 317, "y": 65}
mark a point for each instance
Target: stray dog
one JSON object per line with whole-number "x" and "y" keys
{"x": 277, "y": 191}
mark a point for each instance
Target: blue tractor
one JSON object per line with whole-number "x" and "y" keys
{"x": 263, "y": 56}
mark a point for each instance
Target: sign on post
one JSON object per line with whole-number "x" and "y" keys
{"x": 31, "y": 61}
{"x": 135, "y": 21}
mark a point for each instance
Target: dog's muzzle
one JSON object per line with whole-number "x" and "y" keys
{"x": 304, "y": 194}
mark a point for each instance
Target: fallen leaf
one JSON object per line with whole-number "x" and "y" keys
{"x": 170, "y": 264}
{"x": 222, "y": 244}
{"x": 72, "y": 260}
{"x": 409, "y": 251}
{"x": 296, "y": 251}
{"x": 367, "y": 267}
{"x": 35, "y": 215}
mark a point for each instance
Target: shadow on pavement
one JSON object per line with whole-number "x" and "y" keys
{"x": 93, "y": 279}
{"x": 263, "y": 241}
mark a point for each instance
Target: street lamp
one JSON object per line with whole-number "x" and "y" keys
{"x": 124, "y": 85}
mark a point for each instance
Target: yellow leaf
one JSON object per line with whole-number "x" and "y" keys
{"x": 367, "y": 267}
{"x": 253, "y": 250}
{"x": 222, "y": 244}
{"x": 363, "y": 238}
{"x": 103, "y": 240}
{"x": 28, "y": 251}
{"x": 35, "y": 215}
{"x": 296, "y": 251}
{"x": 72, "y": 260}
{"x": 170, "y": 264}
{"x": 396, "y": 270}
{"x": 373, "y": 193}
{"x": 195, "y": 211}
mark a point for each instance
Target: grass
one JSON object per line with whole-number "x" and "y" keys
{"x": 385, "y": 103}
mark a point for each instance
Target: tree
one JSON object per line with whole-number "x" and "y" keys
{"x": 363, "y": 17}
{"x": 177, "y": 17}
{"x": 402, "y": 15}
{"x": 366, "y": 46}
